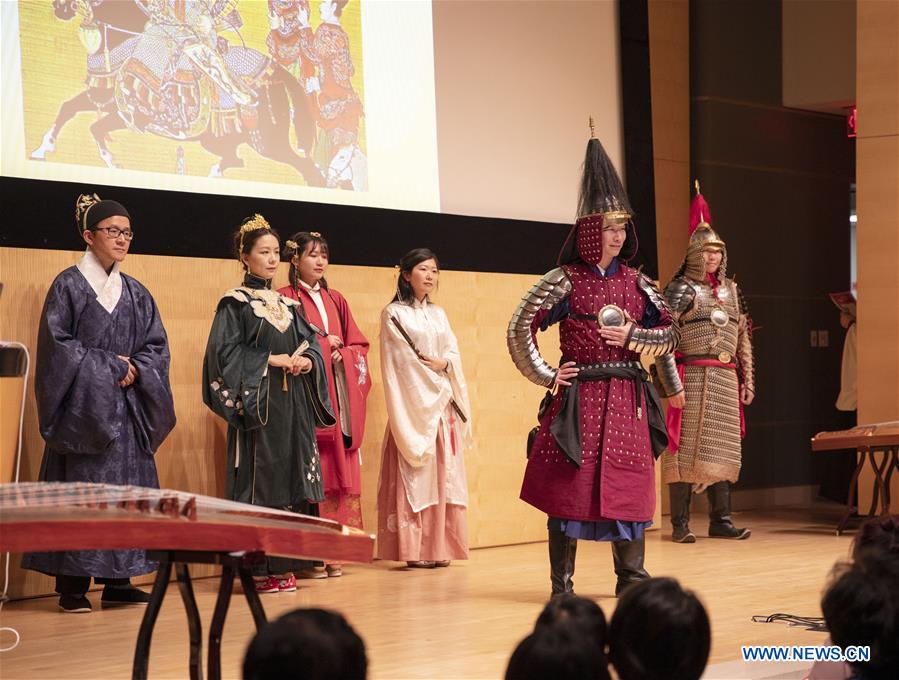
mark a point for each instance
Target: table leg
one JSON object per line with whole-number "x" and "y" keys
{"x": 194, "y": 625}
{"x": 145, "y": 635}
{"x": 226, "y": 585}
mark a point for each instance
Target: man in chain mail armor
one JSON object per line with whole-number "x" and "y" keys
{"x": 590, "y": 464}
{"x": 714, "y": 364}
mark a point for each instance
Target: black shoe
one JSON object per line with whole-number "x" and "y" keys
{"x": 114, "y": 596}
{"x": 683, "y": 535}
{"x": 728, "y": 530}
{"x": 74, "y": 604}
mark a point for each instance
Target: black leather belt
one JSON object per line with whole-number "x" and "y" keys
{"x": 566, "y": 426}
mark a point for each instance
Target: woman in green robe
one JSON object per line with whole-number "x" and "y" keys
{"x": 264, "y": 374}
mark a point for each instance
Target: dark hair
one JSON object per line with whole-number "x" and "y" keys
{"x": 303, "y": 239}
{"x": 244, "y": 240}
{"x": 306, "y": 644}
{"x": 878, "y": 538}
{"x": 659, "y": 631}
{"x": 560, "y": 652}
{"x": 583, "y": 614}
{"x": 409, "y": 262}
{"x": 861, "y": 607}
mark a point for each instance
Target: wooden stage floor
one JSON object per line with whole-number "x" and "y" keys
{"x": 464, "y": 621}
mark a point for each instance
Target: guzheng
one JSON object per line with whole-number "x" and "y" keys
{"x": 45, "y": 516}
{"x": 876, "y": 435}
{"x": 177, "y": 529}
{"x": 867, "y": 440}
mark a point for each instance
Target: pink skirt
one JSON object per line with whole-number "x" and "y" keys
{"x": 439, "y": 532}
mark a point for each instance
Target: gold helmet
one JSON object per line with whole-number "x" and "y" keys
{"x": 702, "y": 237}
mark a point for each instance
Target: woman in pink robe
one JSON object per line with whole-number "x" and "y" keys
{"x": 422, "y": 493}
{"x": 349, "y": 380}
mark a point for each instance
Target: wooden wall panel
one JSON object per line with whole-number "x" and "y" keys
{"x": 669, "y": 56}
{"x": 192, "y": 458}
{"x": 877, "y": 176}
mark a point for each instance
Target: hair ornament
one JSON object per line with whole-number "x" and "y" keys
{"x": 252, "y": 224}
{"x": 315, "y": 234}
{"x": 293, "y": 245}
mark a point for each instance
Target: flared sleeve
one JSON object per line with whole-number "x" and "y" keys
{"x": 149, "y": 398}
{"x": 450, "y": 352}
{"x": 315, "y": 381}
{"x": 351, "y": 375}
{"x": 235, "y": 374}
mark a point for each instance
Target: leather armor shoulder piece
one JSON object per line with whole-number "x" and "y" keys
{"x": 554, "y": 287}
{"x": 679, "y": 294}
{"x": 653, "y": 341}
{"x": 648, "y": 286}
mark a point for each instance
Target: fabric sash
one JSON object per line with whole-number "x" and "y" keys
{"x": 674, "y": 417}
{"x": 566, "y": 426}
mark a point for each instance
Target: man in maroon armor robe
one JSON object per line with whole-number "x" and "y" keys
{"x": 590, "y": 464}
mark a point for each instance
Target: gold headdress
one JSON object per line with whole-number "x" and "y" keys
{"x": 82, "y": 204}
{"x": 315, "y": 234}
{"x": 293, "y": 245}
{"x": 252, "y": 224}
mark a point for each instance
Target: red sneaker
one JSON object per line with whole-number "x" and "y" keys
{"x": 267, "y": 585}
{"x": 287, "y": 584}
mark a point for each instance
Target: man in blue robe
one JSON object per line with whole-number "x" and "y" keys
{"x": 103, "y": 396}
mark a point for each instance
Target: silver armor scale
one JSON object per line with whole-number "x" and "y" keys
{"x": 545, "y": 294}
{"x": 709, "y": 447}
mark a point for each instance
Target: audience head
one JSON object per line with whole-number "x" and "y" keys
{"x": 861, "y": 605}
{"x": 560, "y": 651}
{"x": 583, "y": 614}
{"x": 659, "y": 631}
{"x": 306, "y": 644}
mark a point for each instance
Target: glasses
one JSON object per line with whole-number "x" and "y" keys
{"x": 115, "y": 232}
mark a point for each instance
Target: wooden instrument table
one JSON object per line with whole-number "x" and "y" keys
{"x": 866, "y": 440}
{"x": 176, "y": 529}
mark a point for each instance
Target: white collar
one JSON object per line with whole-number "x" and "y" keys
{"x": 312, "y": 289}
{"x": 108, "y": 287}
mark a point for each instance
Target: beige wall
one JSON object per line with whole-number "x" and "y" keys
{"x": 192, "y": 458}
{"x": 819, "y": 54}
{"x": 877, "y": 176}
{"x": 516, "y": 83}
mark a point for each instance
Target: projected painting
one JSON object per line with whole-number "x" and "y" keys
{"x": 258, "y": 90}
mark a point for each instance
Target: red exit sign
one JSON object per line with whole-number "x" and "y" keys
{"x": 852, "y": 122}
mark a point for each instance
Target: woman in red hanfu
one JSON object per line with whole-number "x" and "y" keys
{"x": 349, "y": 380}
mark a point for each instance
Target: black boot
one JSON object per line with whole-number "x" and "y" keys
{"x": 720, "y": 524}
{"x": 628, "y": 558}
{"x": 680, "y": 493}
{"x": 562, "y": 553}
